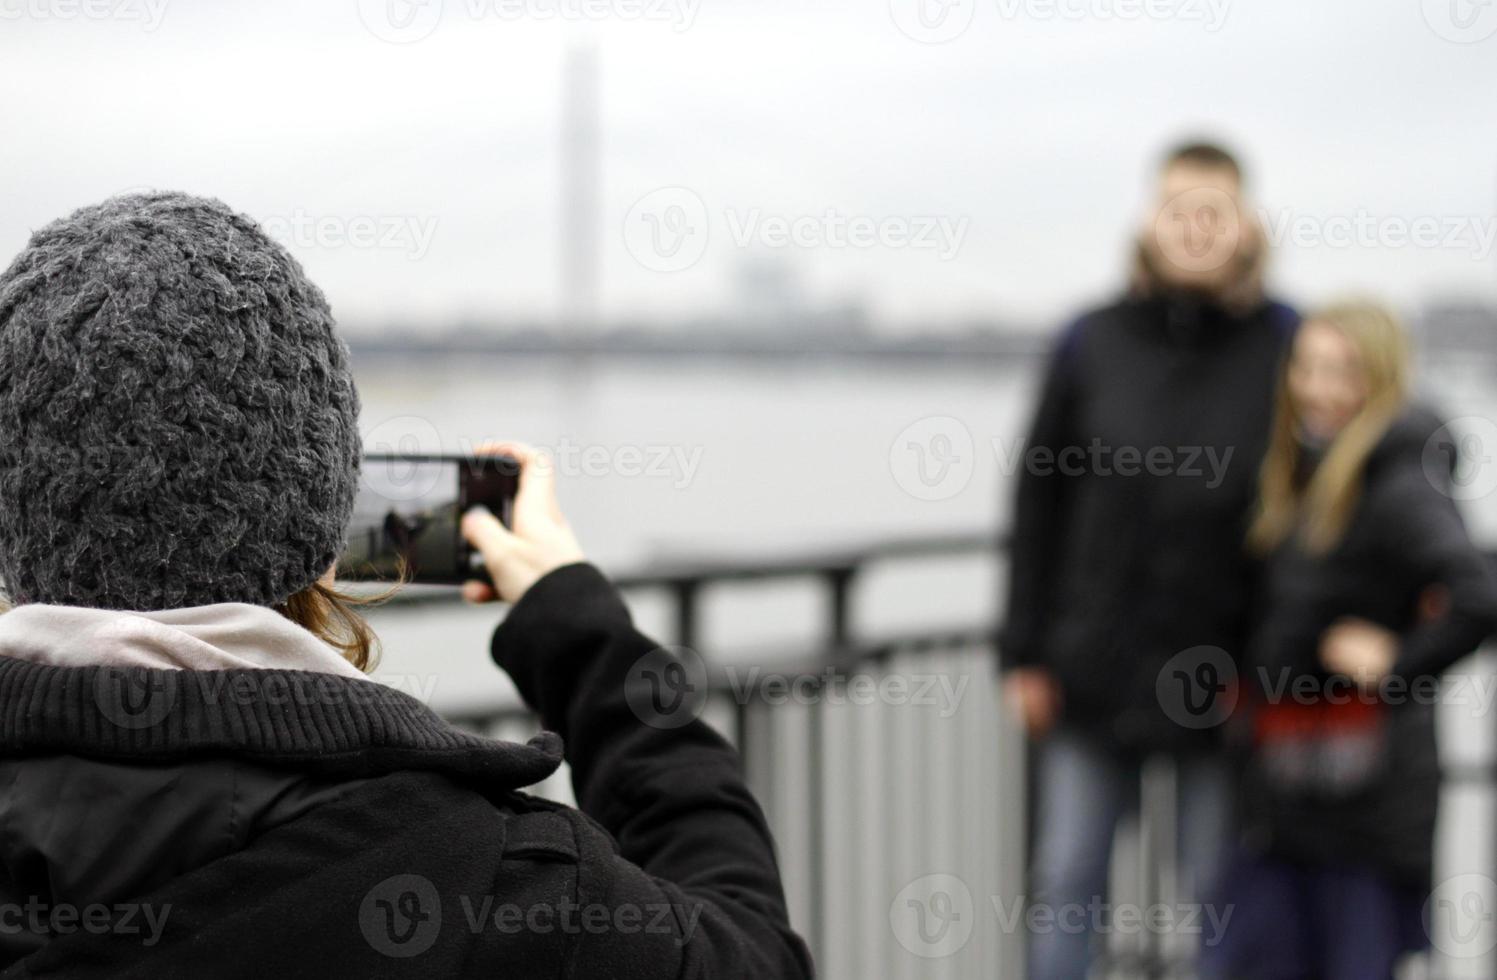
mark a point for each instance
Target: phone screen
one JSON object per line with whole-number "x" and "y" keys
{"x": 408, "y": 511}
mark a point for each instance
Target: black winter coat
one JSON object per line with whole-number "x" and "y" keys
{"x": 1405, "y": 536}
{"x": 273, "y": 823}
{"x": 1132, "y": 552}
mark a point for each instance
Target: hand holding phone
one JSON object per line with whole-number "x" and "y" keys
{"x": 488, "y": 522}
{"x": 536, "y": 541}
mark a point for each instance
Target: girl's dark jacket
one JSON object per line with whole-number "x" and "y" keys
{"x": 1405, "y": 537}
{"x": 278, "y": 823}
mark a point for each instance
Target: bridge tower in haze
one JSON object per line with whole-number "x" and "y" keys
{"x": 581, "y": 179}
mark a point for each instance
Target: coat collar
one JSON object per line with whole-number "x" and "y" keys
{"x": 314, "y": 722}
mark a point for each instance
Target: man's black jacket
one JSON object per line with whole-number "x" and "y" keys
{"x": 1137, "y": 480}
{"x": 159, "y": 823}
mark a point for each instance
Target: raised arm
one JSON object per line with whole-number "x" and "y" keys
{"x": 690, "y": 838}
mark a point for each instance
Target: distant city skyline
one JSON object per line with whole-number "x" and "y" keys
{"x": 415, "y": 164}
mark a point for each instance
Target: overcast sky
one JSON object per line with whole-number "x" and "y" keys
{"x": 935, "y": 163}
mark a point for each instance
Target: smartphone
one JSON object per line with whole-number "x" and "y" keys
{"x": 408, "y": 512}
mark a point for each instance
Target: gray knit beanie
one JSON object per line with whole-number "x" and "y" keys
{"x": 178, "y": 424}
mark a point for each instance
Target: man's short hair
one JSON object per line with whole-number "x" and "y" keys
{"x": 1203, "y": 153}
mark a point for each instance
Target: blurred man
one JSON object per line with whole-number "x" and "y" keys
{"x": 1128, "y": 588}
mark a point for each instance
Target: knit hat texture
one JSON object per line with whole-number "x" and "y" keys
{"x": 178, "y": 421}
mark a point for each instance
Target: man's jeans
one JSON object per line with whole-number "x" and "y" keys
{"x": 1083, "y": 791}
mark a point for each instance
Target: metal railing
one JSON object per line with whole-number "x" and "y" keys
{"x": 871, "y": 800}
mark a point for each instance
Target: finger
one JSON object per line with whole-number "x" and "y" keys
{"x": 522, "y": 452}
{"x": 536, "y": 497}
{"x": 482, "y": 530}
{"x": 498, "y": 447}
{"x": 476, "y": 591}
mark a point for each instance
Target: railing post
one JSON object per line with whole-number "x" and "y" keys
{"x": 839, "y": 624}
{"x": 816, "y": 832}
{"x": 686, "y": 591}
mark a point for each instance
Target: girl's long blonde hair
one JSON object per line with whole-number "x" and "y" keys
{"x": 1320, "y": 511}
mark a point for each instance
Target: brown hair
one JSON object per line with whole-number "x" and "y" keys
{"x": 1320, "y": 510}
{"x": 1203, "y": 153}
{"x": 333, "y": 617}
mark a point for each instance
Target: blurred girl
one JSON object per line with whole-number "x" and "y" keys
{"x": 1372, "y": 588}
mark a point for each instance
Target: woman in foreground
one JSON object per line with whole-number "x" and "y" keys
{"x": 198, "y": 779}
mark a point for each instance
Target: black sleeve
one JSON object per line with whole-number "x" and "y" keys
{"x": 689, "y": 833}
{"x": 1429, "y": 534}
{"x": 1039, "y": 514}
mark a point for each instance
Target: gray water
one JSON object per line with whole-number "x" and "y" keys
{"x": 724, "y": 458}
{"x": 669, "y": 459}
{"x": 712, "y": 457}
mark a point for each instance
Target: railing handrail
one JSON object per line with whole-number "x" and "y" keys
{"x": 678, "y": 572}
{"x": 826, "y": 665}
